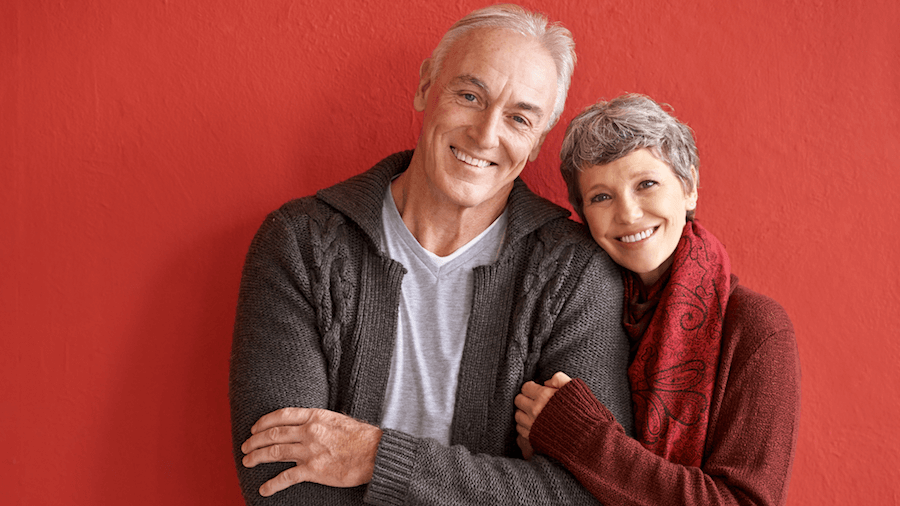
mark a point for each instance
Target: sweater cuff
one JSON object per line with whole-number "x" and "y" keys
{"x": 393, "y": 469}
{"x": 571, "y": 414}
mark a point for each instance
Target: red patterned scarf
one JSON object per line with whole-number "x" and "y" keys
{"x": 676, "y": 350}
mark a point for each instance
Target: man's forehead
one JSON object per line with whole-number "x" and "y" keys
{"x": 491, "y": 39}
{"x": 485, "y": 54}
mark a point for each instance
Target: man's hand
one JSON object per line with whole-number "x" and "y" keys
{"x": 530, "y": 403}
{"x": 328, "y": 448}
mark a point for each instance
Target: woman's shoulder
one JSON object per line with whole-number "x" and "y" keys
{"x": 755, "y": 322}
{"x": 753, "y": 310}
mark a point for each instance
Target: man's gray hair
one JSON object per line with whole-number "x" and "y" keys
{"x": 608, "y": 131}
{"x": 555, "y": 38}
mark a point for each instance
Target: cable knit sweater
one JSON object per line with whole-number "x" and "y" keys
{"x": 315, "y": 327}
{"x": 753, "y": 424}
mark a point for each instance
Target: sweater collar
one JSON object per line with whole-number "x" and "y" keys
{"x": 360, "y": 198}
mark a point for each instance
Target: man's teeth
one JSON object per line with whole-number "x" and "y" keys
{"x": 468, "y": 159}
{"x": 639, "y": 236}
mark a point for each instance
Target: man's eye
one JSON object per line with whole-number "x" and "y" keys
{"x": 520, "y": 119}
{"x": 469, "y": 97}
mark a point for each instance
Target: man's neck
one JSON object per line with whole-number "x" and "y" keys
{"x": 441, "y": 227}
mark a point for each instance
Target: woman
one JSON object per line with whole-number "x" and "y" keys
{"x": 714, "y": 369}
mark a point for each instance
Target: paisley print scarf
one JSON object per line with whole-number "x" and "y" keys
{"x": 675, "y": 327}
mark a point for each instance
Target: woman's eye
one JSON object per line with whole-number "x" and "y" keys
{"x": 647, "y": 184}
{"x": 600, "y": 198}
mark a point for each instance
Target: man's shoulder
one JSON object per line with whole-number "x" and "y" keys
{"x": 299, "y": 217}
{"x": 357, "y": 200}
{"x": 531, "y": 215}
{"x": 564, "y": 234}
{"x": 555, "y": 245}
{"x": 568, "y": 231}
{"x": 561, "y": 254}
{"x": 304, "y": 209}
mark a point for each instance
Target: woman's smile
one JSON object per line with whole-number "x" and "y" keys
{"x": 640, "y": 236}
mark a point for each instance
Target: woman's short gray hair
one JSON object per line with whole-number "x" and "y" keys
{"x": 608, "y": 131}
{"x": 553, "y": 37}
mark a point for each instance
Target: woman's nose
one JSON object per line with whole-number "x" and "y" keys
{"x": 628, "y": 210}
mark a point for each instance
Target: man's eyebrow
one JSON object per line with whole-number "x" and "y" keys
{"x": 525, "y": 106}
{"x": 537, "y": 111}
{"x": 467, "y": 78}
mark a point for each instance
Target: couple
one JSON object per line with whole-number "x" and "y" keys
{"x": 386, "y": 326}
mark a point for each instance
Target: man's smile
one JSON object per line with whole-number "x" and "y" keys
{"x": 476, "y": 162}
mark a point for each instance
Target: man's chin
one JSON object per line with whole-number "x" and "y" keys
{"x": 475, "y": 194}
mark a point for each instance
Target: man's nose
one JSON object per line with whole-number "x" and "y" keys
{"x": 485, "y": 129}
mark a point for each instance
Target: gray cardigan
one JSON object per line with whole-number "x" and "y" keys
{"x": 315, "y": 327}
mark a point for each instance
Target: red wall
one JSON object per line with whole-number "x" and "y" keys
{"x": 142, "y": 143}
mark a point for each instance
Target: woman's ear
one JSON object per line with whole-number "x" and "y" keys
{"x": 421, "y": 97}
{"x": 693, "y": 195}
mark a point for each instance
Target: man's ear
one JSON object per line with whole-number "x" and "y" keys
{"x": 537, "y": 147}
{"x": 421, "y": 97}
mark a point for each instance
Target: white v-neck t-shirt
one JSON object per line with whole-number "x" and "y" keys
{"x": 435, "y": 303}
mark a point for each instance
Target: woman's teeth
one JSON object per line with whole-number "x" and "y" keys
{"x": 639, "y": 236}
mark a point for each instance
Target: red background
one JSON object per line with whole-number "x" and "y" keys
{"x": 143, "y": 142}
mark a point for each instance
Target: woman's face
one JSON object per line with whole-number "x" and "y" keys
{"x": 636, "y": 209}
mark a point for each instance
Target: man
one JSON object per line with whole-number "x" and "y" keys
{"x": 385, "y": 325}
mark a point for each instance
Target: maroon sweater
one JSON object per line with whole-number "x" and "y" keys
{"x": 753, "y": 424}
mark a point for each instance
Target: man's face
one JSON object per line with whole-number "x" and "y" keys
{"x": 486, "y": 113}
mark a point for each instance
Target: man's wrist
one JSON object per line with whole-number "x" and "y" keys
{"x": 367, "y": 452}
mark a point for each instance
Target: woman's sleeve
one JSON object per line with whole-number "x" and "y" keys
{"x": 749, "y": 450}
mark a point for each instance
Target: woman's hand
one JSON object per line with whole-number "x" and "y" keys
{"x": 530, "y": 403}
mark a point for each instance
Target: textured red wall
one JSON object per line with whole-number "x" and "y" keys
{"x": 142, "y": 143}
